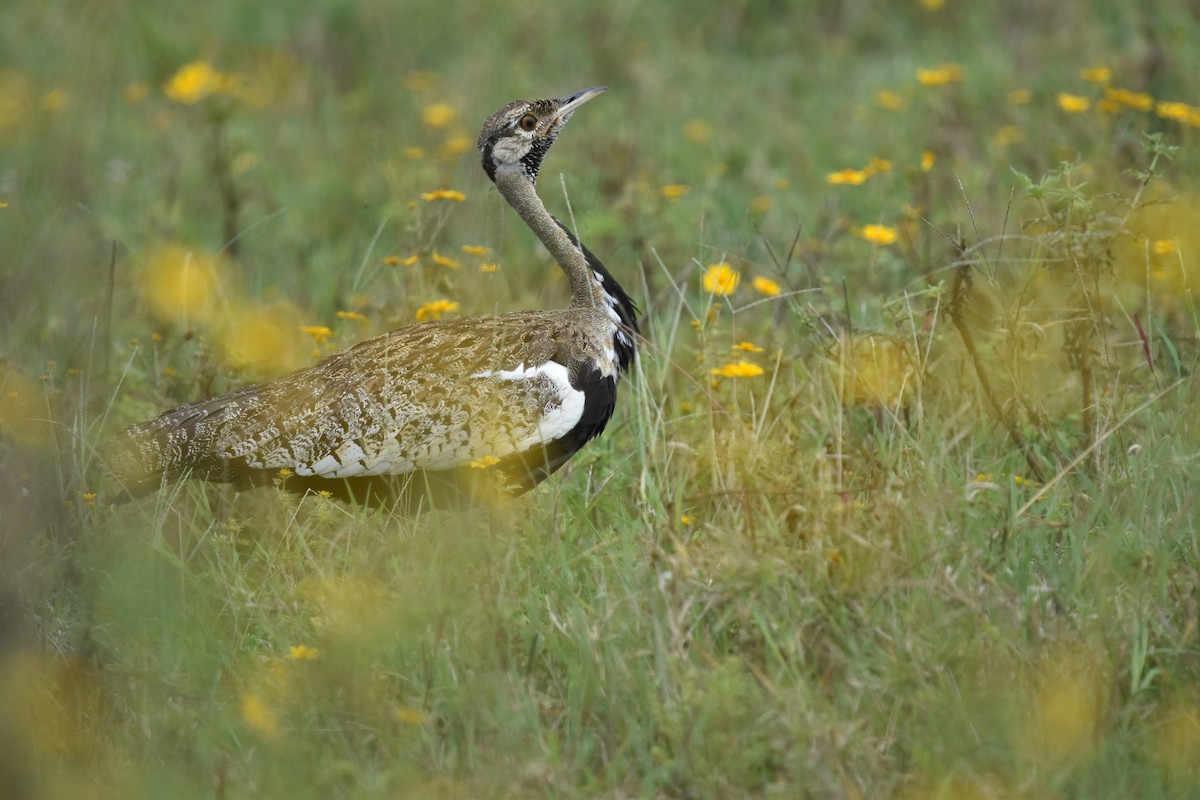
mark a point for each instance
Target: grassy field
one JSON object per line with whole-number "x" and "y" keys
{"x": 899, "y": 502}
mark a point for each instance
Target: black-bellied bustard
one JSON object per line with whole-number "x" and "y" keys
{"x": 425, "y": 401}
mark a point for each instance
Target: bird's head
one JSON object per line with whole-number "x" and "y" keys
{"x": 518, "y": 136}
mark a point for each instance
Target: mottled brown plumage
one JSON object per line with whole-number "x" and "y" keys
{"x": 424, "y": 401}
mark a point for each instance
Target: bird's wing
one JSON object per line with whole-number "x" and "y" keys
{"x": 427, "y": 397}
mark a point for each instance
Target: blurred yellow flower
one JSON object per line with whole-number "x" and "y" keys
{"x": 940, "y": 75}
{"x": 180, "y": 286}
{"x": 260, "y": 339}
{"x": 319, "y": 332}
{"x": 474, "y": 250}
{"x": 351, "y": 315}
{"x": 1180, "y": 112}
{"x": 932, "y": 5}
{"x": 720, "y": 279}
{"x": 761, "y": 204}
{"x": 1096, "y": 74}
{"x": 878, "y": 234}
{"x": 1138, "y": 101}
{"x": 407, "y": 262}
{"x": 847, "y": 177}
{"x": 873, "y": 368}
{"x": 765, "y": 286}
{"x": 740, "y": 369}
{"x": 1019, "y": 97}
{"x": 54, "y": 100}
{"x": 1008, "y": 135}
{"x": 489, "y": 267}
{"x": 697, "y": 131}
{"x": 301, "y": 652}
{"x": 686, "y": 519}
{"x": 747, "y": 347}
{"x": 1163, "y": 247}
{"x": 673, "y": 191}
{"x": 411, "y": 716}
{"x": 259, "y": 717}
{"x": 444, "y": 261}
{"x": 483, "y": 462}
{"x": 438, "y": 115}
{"x": 1073, "y": 103}
{"x": 889, "y": 100}
{"x": 454, "y": 146}
{"x": 435, "y": 308}
{"x": 444, "y": 194}
{"x": 927, "y": 159}
{"x": 195, "y": 81}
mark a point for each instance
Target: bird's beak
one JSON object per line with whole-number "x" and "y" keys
{"x": 568, "y": 104}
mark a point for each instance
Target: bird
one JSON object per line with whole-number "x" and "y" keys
{"x": 412, "y": 410}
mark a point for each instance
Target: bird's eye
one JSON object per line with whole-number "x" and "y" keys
{"x": 528, "y": 122}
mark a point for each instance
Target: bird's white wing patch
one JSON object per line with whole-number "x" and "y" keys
{"x": 558, "y": 417}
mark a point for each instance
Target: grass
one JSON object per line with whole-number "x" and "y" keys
{"x": 943, "y": 545}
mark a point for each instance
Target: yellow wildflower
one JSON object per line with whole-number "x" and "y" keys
{"x": 847, "y": 177}
{"x": 1180, "y": 112}
{"x": 697, "y": 131}
{"x": 407, "y": 262}
{"x": 1019, "y": 97}
{"x": 438, "y": 115}
{"x": 1073, "y": 103}
{"x": 285, "y": 473}
{"x": 435, "y": 308}
{"x": 301, "y": 652}
{"x": 878, "y": 234}
{"x": 88, "y": 497}
{"x": 747, "y": 347}
{"x": 1096, "y": 74}
{"x": 927, "y": 159}
{"x": 741, "y": 369}
{"x": 940, "y": 75}
{"x": 888, "y": 100}
{"x": 196, "y": 81}
{"x": 673, "y": 191}
{"x": 1138, "y": 101}
{"x": 474, "y": 250}
{"x": 491, "y": 266}
{"x": 879, "y": 165}
{"x": 454, "y": 146}
{"x": 1163, "y": 247}
{"x": 353, "y": 315}
{"x": 444, "y": 194}
{"x": 182, "y": 286}
{"x": 761, "y": 204}
{"x": 765, "y": 286}
{"x": 1008, "y": 135}
{"x": 686, "y": 519}
{"x": 483, "y": 462}
{"x": 720, "y": 279}
{"x": 259, "y": 716}
{"x": 444, "y": 261}
{"x": 319, "y": 332}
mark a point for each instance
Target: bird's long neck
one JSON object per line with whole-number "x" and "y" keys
{"x": 520, "y": 193}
